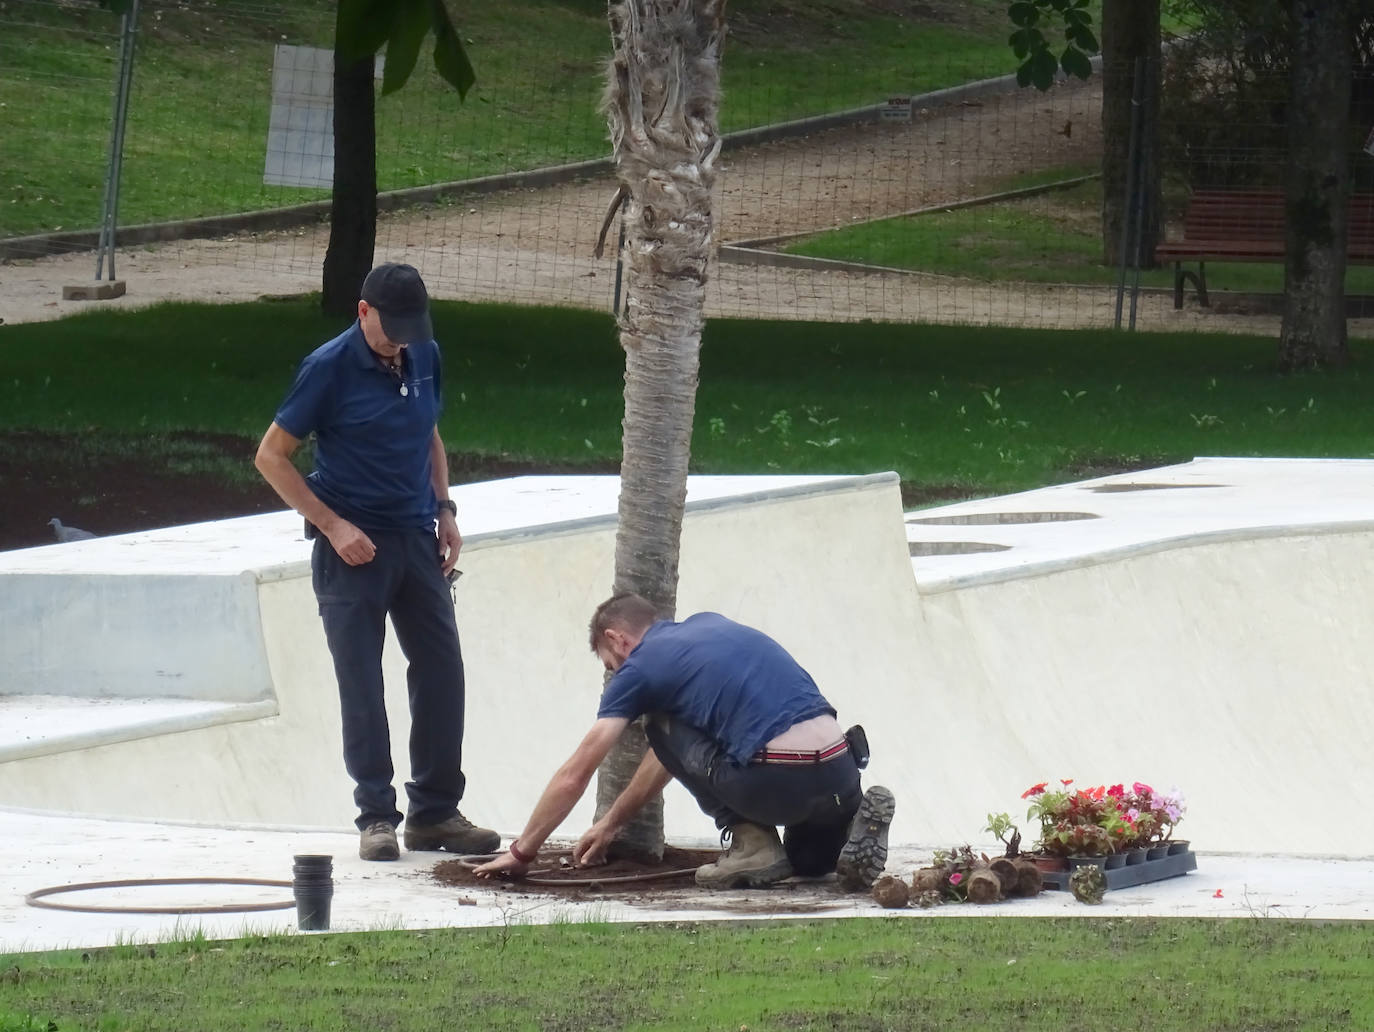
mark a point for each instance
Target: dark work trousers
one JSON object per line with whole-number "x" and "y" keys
{"x": 405, "y": 580}
{"x": 815, "y": 803}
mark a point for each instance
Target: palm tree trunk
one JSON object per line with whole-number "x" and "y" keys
{"x": 1317, "y": 194}
{"x": 661, "y": 101}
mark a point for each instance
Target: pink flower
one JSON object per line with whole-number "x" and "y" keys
{"x": 1140, "y": 788}
{"x": 955, "y": 878}
{"x": 1217, "y": 894}
{"x": 1116, "y": 791}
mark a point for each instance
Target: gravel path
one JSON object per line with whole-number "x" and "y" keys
{"x": 534, "y": 245}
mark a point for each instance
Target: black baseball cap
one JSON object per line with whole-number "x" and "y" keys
{"x": 398, "y": 293}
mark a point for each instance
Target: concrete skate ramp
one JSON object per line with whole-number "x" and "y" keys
{"x": 237, "y": 719}
{"x": 1204, "y": 625}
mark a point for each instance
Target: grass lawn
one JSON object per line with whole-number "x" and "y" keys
{"x": 952, "y": 409}
{"x": 935, "y": 973}
{"x": 1050, "y": 238}
{"x": 201, "y": 92}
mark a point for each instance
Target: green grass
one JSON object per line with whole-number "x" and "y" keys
{"x": 1051, "y": 238}
{"x": 979, "y": 409}
{"x": 915, "y": 974}
{"x": 201, "y": 87}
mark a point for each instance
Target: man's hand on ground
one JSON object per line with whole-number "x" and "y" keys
{"x": 591, "y": 848}
{"x": 504, "y": 866}
{"x": 352, "y": 545}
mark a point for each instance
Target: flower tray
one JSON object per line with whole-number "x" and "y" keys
{"x": 1135, "y": 874}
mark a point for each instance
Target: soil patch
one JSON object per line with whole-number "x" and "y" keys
{"x": 667, "y": 885}
{"x": 119, "y": 485}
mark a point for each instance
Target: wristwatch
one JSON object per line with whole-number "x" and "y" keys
{"x": 451, "y": 506}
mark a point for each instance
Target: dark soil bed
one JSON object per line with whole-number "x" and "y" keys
{"x": 667, "y": 885}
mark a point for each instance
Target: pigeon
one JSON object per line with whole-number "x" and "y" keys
{"x": 65, "y": 534}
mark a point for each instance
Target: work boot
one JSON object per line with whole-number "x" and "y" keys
{"x": 754, "y": 859}
{"x": 865, "y": 854}
{"x": 457, "y": 835}
{"x": 378, "y": 842}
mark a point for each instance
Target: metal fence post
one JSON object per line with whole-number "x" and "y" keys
{"x": 109, "y": 215}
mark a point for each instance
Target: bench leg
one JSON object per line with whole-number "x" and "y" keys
{"x": 1199, "y": 280}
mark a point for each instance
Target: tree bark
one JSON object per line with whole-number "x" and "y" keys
{"x": 661, "y": 101}
{"x": 1130, "y": 29}
{"x": 353, "y": 208}
{"x": 1317, "y": 187}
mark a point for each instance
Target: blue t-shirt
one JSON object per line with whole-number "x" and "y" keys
{"x": 734, "y": 683}
{"x": 372, "y": 462}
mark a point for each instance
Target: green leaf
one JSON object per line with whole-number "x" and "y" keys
{"x": 1081, "y": 36}
{"x": 361, "y": 28}
{"x": 120, "y": 7}
{"x": 1020, "y": 43}
{"x": 1024, "y": 13}
{"x": 408, "y": 30}
{"x": 1077, "y": 17}
{"x": 1044, "y": 65}
{"x": 1023, "y": 73}
{"x": 450, "y": 59}
{"x": 1076, "y": 63}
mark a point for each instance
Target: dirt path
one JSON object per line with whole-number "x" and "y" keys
{"x": 534, "y": 245}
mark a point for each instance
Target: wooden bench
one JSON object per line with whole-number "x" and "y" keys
{"x": 1247, "y": 225}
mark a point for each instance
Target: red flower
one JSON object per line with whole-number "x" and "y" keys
{"x": 1117, "y": 791}
{"x": 1034, "y": 790}
{"x": 1140, "y": 788}
{"x": 1066, "y": 782}
{"x": 1217, "y": 894}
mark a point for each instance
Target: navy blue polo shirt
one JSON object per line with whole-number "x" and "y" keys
{"x": 734, "y": 683}
{"x": 372, "y": 462}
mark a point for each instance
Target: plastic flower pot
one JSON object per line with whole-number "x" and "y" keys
{"x": 1158, "y": 852}
{"x": 1136, "y": 856}
{"x": 1052, "y": 864}
{"x": 1178, "y": 846}
{"x": 1115, "y": 861}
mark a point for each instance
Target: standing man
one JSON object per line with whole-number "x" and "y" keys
{"x": 372, "y": 397}
{"x": 745, "y": 729}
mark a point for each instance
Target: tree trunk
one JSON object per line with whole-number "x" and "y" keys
{"x": 1317, "y": 188}
{"x": 353, "y": 209}
{"x": 1130, "y": 29}
{"x": 661, "y": 101}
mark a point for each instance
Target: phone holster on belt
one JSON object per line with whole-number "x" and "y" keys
{"x": 858, "y": 745}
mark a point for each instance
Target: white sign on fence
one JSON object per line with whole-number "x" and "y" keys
{"x": 897, "y": 109}
{"x": 300, "y": 132}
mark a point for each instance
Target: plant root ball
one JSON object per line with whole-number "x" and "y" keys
{"x": 983, "y": 887}
{"x": 891, "y": 893}
{"x": 929, "y": 879}
{"x": 1005, "y": 871}
{"x": 1088, "y": 884}
{"x": 1029, "y": 881}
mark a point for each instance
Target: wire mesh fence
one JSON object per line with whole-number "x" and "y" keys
{"x": 926, "y": 187}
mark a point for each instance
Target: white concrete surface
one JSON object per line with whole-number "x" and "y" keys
{"x": 371, "y": 896}
{"x": 1211, "y": 637}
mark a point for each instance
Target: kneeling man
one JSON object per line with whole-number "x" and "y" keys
{"x": 736, "y": 719}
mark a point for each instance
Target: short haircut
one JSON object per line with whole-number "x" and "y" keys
{"x": 625, "y": 611}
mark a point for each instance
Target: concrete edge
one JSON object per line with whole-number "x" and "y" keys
{"x": 581, "y": 525}
{"x": 939, "y": 585}
{"x": 228, "y": 713}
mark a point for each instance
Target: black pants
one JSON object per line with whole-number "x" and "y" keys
{"x": 814, "y": 803}
{"x": 404, "y": 580}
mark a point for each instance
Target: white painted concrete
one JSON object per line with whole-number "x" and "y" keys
{"x": 1212, "y": 637}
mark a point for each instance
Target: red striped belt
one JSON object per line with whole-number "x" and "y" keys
{"x": 803, "y": 758}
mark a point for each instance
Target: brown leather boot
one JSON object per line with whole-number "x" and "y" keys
{"x": 754, "y": 859}
{"x": 457, "y": 835}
